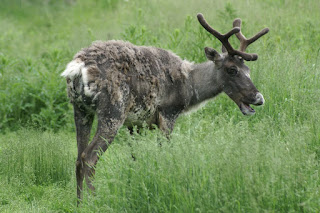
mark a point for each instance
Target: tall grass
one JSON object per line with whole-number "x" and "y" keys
{"x": 36, "y": 158}
{"x": 36, "y": 170}
{"x": 230, "y": 168}
{"x": 216, "y": 161}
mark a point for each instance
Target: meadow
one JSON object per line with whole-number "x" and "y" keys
{"x": 217, "y": 160}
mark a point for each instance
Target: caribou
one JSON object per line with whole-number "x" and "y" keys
{"x": 124, "y": 84}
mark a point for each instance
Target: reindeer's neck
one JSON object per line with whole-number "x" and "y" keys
{"x": 205, "y": 83}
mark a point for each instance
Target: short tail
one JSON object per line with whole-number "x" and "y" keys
{"x": 73, "y": 69}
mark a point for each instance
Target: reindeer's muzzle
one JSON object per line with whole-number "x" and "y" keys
{"x": 245, "y": 107}
{"x": 259, "y": 99}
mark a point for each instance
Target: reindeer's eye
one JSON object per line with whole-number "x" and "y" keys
{"x": 232, "y": 71}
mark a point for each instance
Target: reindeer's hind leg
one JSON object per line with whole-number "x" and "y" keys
{"x": 83, "y": 120}
{"x": 110, "y": 118}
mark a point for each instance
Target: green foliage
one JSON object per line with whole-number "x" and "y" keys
{"x": 30, "y": 157}
{"x": 229, "y": 13}
{"x": 216, "y": 161}
{"x": 36, "y": 170}
{"x": 31, "y": 92}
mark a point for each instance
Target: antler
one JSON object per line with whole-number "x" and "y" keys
{"x": 244, "y": 42}
{"x": 224, "y": 39}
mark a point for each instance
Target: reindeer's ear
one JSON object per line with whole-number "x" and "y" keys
{"x": 212, "y": 54}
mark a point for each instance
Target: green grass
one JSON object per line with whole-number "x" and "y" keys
{"x": 217, "y": 159}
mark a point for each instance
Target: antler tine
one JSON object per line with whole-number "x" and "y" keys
{"x": 223, "y": 38}
{"x": 244, "y": 42}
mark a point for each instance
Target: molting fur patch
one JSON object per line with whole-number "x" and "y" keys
{"x": 73, "y": 69}
{"x": 86, "y": 75}
{"x": 88, "y": 79}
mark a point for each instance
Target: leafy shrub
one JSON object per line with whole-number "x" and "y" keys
{"x": 32, "y": 92}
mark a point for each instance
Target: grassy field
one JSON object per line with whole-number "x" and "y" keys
{"x": 217, "y": 160}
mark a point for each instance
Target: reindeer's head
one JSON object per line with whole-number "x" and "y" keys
{"x": 233, "y": 73}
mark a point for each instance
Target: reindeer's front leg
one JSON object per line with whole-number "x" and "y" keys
{"x": 83, "y": 121}
{"x": 166, "y": 121}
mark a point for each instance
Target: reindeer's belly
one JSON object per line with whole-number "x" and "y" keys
{"x": 140, "y": 116}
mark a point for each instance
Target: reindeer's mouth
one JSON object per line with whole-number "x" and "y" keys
{"x": 246, "y": 109}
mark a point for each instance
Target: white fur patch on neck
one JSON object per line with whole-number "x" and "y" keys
{"x": 196, "y": 107}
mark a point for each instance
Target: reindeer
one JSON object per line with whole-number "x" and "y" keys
{"x": 129, "y": 85}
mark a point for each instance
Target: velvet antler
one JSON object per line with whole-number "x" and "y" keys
{"x": 224, "y": 38}
{"x": 244, "y": 42}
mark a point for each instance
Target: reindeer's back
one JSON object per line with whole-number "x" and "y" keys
{"x": 145, "y": 73}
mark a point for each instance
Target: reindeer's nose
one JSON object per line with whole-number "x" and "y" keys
{"x": 259, "y": 99}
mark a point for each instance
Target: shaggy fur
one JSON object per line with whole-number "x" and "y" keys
{"x": 149, "y": 74}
